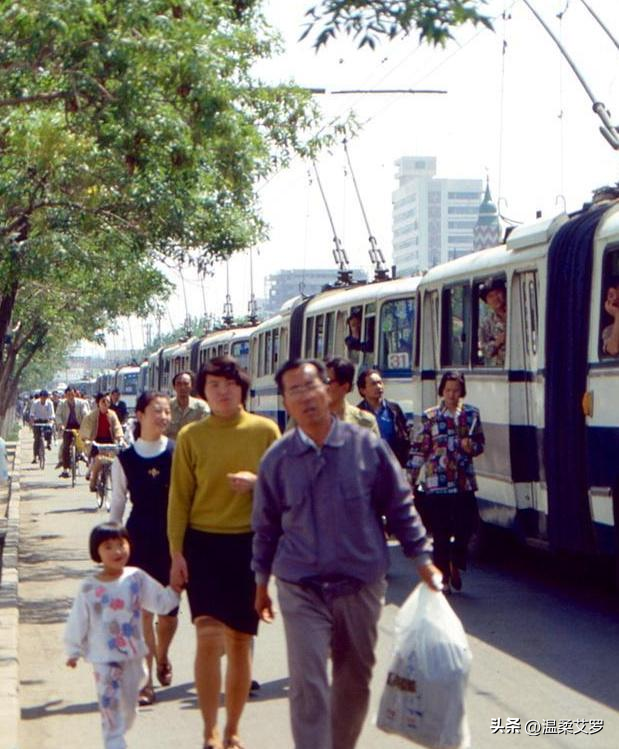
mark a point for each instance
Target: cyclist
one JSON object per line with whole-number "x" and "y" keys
{"x": 119, "y": 407}
{"x": 101, "y": 426}
{"x": 69, "y": 415}
{"x": 41, "y": 410}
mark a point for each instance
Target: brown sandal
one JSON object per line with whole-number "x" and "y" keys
{"x": 146, "y": 696}
{"x": 164, "y": 673}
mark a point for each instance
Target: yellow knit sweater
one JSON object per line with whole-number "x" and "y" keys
{"x": 206, "y": 451}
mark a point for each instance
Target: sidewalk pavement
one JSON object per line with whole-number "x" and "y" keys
{"x": 9, "y": 608}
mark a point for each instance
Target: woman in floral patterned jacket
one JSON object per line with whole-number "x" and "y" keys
{"x": 450, "y": 437}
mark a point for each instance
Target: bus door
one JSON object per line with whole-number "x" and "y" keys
{"x": 600, "y": 403}
{"x": 526, "y": 404}
{"x": 429, "y": 363}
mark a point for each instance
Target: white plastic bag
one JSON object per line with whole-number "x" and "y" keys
{"x": 423, "y": 699}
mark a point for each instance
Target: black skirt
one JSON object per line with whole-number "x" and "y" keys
{"x": 221, "y": 582}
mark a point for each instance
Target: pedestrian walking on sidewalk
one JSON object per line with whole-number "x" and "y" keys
{"x": 450, "y": 437}
{"x": 209, "y": 528}
{"x": 105, "y": 628}
{"x": 142, "y": 474}
{"x": 321, "y": 494}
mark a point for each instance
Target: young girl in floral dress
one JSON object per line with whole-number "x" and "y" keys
{"x": 105, "y": 628}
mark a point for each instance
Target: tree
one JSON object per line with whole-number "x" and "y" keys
{"x": 130, "y": 130}
{"x": 368, "y": 20}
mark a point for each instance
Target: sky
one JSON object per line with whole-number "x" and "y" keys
{"x": 514, "y": 113}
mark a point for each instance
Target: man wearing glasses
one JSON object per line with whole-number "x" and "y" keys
{"x": 317, "y": 519}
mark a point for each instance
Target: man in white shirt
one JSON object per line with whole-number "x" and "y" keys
{"x": 42, "y": 410}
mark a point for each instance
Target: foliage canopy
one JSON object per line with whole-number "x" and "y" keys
{"x": 130, "y": 130}
{"x": 368, "y": 20}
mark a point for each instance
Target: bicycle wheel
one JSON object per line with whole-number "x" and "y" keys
{"x": 107, "y": 498}
{"x": 100, "y": 493}
{"x": 41, "y": 452}
{"x": 73, "y": 463}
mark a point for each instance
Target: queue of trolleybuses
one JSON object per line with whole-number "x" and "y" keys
{"x": 555, "y": 392}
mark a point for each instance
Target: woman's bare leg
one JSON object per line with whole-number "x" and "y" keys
{"x": 238, "y": 678}
{"x": 210, "y": 648}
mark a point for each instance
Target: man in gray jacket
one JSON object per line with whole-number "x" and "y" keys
{"x": 319, "y": 503}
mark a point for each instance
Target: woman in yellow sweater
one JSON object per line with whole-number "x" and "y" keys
{"x": 213, "y": 474}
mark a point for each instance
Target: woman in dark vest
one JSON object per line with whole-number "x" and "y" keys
{"x": 142, "y": 474}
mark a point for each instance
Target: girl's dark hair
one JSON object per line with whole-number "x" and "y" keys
{"x": 224, "y": 366}
{"x": 452, "y": 376}
{"x": 105, "y": 532}
{"x": 142, "y": 403}
{"x": 99, "y": 396}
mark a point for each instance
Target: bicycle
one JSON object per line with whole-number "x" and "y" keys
{"x": 106, "y": 454}
{"x": 73, "y": 454}
{"x": 40, "y": 429}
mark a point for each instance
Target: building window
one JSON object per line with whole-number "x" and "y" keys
{"x": 464, "y": 196}
{"x": 463, "y": 209}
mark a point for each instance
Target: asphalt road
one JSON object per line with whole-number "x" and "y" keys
{"x": 545, "y": 648}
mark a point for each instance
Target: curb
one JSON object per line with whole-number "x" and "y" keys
{"x": 9, "y": 615}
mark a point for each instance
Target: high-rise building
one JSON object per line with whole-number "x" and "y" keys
{"x": 433, "y": 218}
{"x": 285, "y": 284}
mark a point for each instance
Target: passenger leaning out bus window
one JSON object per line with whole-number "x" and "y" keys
{"x": 610, "y": 333}
{"x": 493, "y": 327}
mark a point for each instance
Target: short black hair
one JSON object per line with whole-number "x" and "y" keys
{"x": 142, "y": 403}
{"x": 365, "y": 374}
{"x": 70, "y": 389}
{"x": 452, "y": 376}
{"x": 180, "y": 374}
{"x": 343, "y": 369}
{"x": 105, "y": 532}
{"x": 491, "y": 284}
{"x": 100, "y": 396}
{"x": 114, "y": 390}
{"x": 224, "y": 366}
{"x": 612, "y": 282}
{"x": 297, "y": 364}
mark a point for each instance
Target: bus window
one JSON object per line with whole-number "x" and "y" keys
{"x": 396, "y": 335}
{"x": 254, "y": 357}
{"x": 319, "y": 347}
{"x": 283, "y": 344}
{"x": 534, "y": 319}
{"x": 268, "y": 352}
{"x": 329, "y": 334}
{"x": 240, "y": 351}
{"x": 491, "y": 296}
{"x": 341, "y": 331}
{"x": 455, "y": 337}
{"x": 369, "y": 332}
{"x": 261, "y": 356}
{"x": 354, "y": 342}
{"x": 309, "y": 337}
{"x": 275, "y": 356}
{"x": 609, "y": 314}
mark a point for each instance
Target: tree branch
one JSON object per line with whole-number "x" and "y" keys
{"x": 19, "y": 100}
